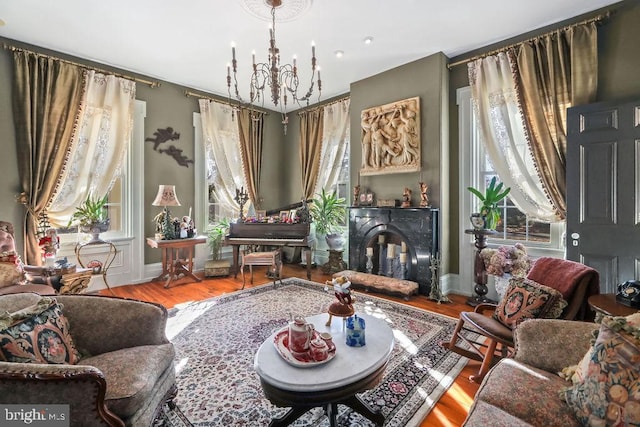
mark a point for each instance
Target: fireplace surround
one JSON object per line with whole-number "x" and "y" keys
{"x": 376, "y": 227}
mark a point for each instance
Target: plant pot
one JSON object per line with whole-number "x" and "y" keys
{"x": 335, "y": 241}
{"x": 95, "y": 229}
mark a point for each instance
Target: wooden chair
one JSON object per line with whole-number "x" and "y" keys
{"x": 268, "y": 258}
{"x": 496, "y": 339}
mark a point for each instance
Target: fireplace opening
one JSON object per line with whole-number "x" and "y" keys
{"x": 394, "y": 242}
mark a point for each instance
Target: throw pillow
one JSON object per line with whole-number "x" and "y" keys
{"x": 609, "y": 394}
{"x": 576, "y": 373}
{"x": 527, "y": 299}
{"x": 11, "y": 272}
{"x": 37, "y": 334}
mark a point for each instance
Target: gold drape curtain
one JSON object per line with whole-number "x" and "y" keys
{"x": 556, "y": 71}
{"x": 311, "y": 124}
{"x": 46, "y": 100}
{"x": 250, "y": 127}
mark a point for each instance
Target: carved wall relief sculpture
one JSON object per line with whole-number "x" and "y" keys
{"x": 391, "y": 138}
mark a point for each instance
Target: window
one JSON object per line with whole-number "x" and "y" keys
{"x": 476, "y": 170}
{"x": 216, "y": 209}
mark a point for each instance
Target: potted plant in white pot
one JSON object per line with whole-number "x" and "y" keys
{"x": 328, "y": 214}
{"x": 489, "y": 210}
{"x": 91, "y": 217}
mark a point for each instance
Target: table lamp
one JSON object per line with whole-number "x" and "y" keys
{"x": 166, "y": 197}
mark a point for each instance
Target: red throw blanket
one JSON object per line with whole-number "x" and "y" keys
{"x": 564, "y": 276}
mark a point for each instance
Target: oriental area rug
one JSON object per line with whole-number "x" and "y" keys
{"x": 216, "y": 341}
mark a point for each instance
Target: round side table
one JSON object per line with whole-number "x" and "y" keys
{"x": 606, "y": 305}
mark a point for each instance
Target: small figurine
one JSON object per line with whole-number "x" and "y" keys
{"x": 356, "y": 195}
{"x": 406, "y": 198}
{"x": 424, "y": 199}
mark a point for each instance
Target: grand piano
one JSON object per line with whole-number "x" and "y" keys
{"x": 265, "y": 234}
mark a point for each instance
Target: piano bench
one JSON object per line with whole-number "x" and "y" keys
{"x": 270, "y": 258}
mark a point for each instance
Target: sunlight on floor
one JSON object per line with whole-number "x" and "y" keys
{"x": 181, "y": 365}
{"x": 183, "y": 318}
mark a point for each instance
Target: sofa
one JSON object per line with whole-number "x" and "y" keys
{"x": 526, "y": 390}
{"x": 107, "y": 358}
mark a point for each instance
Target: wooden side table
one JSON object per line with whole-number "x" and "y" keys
{"x": 177, "y": 258}
{"x": 606, "y": 305}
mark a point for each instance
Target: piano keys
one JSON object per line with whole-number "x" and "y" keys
{"x": 266, "y": 234}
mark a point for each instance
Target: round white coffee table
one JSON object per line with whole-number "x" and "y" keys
{"x": 352, "y": 370}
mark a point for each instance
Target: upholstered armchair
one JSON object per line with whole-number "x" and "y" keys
{"x": 122, "y": 373}
{"x": 16, "y": 277}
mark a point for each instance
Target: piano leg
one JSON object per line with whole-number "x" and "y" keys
{"x": 236, "y": 258}
{"x": 309, "y": 264}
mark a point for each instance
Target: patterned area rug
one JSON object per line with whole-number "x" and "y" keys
{"x": 216, "y": 341}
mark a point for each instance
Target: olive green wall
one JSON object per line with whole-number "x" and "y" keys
{"x": 618, "y": 65}
{"x": 619, "y": 62}
{"x": 427, "y": 79}
{"x": 166, "y": 106}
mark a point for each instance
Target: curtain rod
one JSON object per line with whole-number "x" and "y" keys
{"x": 86, "y": 67}
{"x": 188, "y": 93}
{"x": 502, "y": 49}
{"x": 315, "y": 107}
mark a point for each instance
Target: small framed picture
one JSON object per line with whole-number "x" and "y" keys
{"x": 293, "y": 215}
{"x": 363, "y": 198}
{"x": 261, "y": 214}
{"x": 370, "y": 198}
{"x": 284, "y": 215}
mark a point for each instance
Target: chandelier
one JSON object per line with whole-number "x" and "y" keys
{"x": 282, "y": 79}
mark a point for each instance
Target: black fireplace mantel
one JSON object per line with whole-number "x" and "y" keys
{"x": 417, "y": 227}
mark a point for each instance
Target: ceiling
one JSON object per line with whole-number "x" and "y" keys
{"x": 189, "y": 42}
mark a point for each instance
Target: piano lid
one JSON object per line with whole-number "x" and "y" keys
{"x": 269, "y": 231}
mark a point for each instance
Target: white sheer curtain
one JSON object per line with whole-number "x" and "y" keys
{"x": 335, "y": 140}
{"x": 95, "y": 161}
{"x": 222, "y": 150}
{"x": 500, "y": 120}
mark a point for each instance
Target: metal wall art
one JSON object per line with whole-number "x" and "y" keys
{"x": 391, "y": 138}
{"x": 163, "y": 135}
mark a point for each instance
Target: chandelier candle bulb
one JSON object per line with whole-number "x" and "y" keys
{"x": 369, "y": 251}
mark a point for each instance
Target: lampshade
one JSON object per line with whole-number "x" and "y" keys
{"x": 166, "y": 196}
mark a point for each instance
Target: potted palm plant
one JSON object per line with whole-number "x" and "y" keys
{"x": 328, "y": 214}
{"x": 91, "y": 216}
{"x": 489, "y": 210}
{"x": 216, "y": 233}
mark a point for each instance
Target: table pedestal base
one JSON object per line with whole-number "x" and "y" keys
{"x": 301, "y": 402}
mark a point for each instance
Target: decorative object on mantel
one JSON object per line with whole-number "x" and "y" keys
{"x": 366, "y": 198}
{"x": 391, "y": 138}
{"x": 166, "y": 196}
{"x": 388, "y": 203}
{"x": 436, "y": 293}
{"x": 168, "y": 134}
{"x": 282, "y": 79}
{"x": 504, "y": 263}
{"x": 406, "y": 198}
{"x": 424, "y": 199}
{"x": 489, "y": 209}
{"x": 356, "y": 195}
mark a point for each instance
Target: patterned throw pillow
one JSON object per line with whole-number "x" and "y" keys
{"x": 610, "y": 392}
{"x": 37, "y": 334}
{"x": 526, "y": 299}
{"x": 576, "y": 373}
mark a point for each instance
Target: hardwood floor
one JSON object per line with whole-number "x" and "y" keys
{"x": 450, "y": 410}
